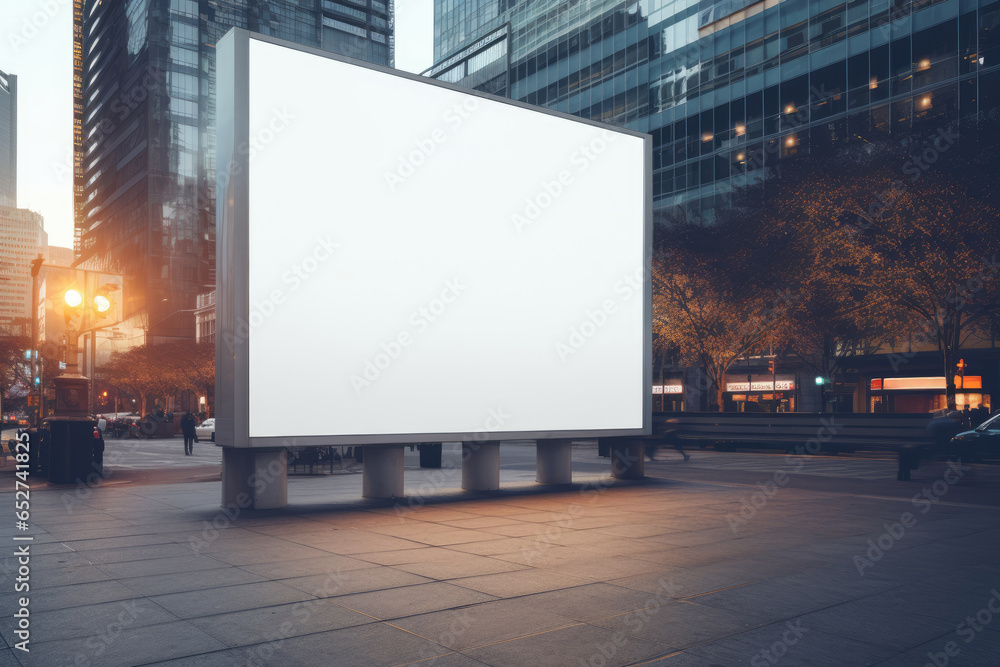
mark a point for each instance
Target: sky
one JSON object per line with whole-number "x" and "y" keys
{"x": 36, "y": 45}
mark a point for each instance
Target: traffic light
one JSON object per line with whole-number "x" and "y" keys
{"x": 38, "y": 380}
{"x": 72, "y": 308}
{"x": 92, "y": 311}
{"x": 73, "y": 298}
{"x": 771, "y": 366}
{"x": 820, "y": 380}
{"x": 103, "y": 304}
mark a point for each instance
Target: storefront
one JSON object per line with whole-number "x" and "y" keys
{"x": 763, "y": 394}
{"x": 924, "y": 394}
{"x": 668, "y": 397}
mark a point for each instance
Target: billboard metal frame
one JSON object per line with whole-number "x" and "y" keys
{"x": 232, "y": 384}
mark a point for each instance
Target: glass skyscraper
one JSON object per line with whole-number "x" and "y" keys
{"x": 8, "y": 140}
{"x": 728, "y": 88}
{"x": 146, "y": 134}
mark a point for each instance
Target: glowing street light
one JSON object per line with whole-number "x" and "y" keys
{"x": 102, "y": 303}
{"x": 89, "y": 302}
{"x": 73, "y": 298}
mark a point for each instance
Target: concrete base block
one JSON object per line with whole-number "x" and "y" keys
{"x": 383, "y": 475}
{"x": 254, "y": 478}
{"x": 554, "y": 462}
{"x": 627, "y": 460}
{"x": 481, "y": 466}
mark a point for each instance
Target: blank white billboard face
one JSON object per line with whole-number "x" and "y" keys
{"x": 425, "y": 261}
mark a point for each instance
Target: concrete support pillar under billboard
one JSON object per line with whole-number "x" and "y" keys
{"x": 553, "y": 461}
{"x": 383, "y": 473}
{"x": 254, "y": 478}
{"x": 627, "y": 460}
{"x": 481, "y": 466}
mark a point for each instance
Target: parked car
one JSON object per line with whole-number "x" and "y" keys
{"x": 125, "y": 426}
{"x": 944, "y": 425}
{"x": 982, "y": 441}
{"x": 206, "y": 429}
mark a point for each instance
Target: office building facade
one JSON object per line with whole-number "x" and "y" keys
{"x": 729, "y": 88}
{"x": 204, "y": 318}
{"x": 59, "y": 256}
{"x": 22, "y": 239}
{"x": 8, "y": 140}
{"x": 146, "y": 146}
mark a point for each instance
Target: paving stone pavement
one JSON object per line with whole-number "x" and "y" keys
{"x": 694, "y": 566}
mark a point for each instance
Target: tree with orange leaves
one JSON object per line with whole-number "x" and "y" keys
{"x": 899, "y": 244}
{"x": 714, "y": 299}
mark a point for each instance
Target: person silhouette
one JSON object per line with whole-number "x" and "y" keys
{"x": 187, "y": 428}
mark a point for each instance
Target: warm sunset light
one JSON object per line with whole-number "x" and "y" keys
{"x": 73, "y": 298}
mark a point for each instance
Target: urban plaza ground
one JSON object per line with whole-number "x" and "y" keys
{"x": 747, "y": 558}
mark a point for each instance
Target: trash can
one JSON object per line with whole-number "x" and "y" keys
{"x": 430, "y": 454}
{"x": 70, "y": 450}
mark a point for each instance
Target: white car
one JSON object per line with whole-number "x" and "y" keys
{"x": 206, "y": 429}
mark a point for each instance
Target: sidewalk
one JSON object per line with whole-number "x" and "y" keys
{"x": 671, "y": 572}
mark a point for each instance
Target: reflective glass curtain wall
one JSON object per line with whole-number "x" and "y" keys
{"x": 148, "y": 135}
{"x": 728, "y": 88}
{"x": 8, "y": 140}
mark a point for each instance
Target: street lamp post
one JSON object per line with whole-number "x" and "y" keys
{"x": 71, "y": 387}
{"x": 71, "y": 455}
{"x": 36, "y": 266}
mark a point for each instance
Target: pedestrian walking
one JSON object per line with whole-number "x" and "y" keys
{"x": 671, "y": 434}
{"x": 98, "y": 452}
{"x": 187, "y": 428}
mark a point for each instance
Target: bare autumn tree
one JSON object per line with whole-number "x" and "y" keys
{"x": 839, "y": 253}
{"x": 162, "y": 370}
{"x": 14, "y": 370}
{"x": 134, "y": 372}
{"x": 824, "y": 325}
{"x": 828, "y": 332}
{"x": 714, "y": 297}
{"x": 190, "y": 366}
{"x": 900, "y": 242}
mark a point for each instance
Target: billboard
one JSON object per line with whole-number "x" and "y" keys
{"x": 402, "y": 260}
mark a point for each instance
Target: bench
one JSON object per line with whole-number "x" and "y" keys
{"x": 813, "y": 432}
